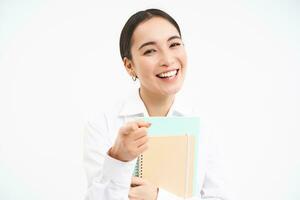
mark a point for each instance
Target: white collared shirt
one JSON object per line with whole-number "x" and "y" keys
{"x": 109, "y": 179}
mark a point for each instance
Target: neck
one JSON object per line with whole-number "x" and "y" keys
{"x": 156, "y": 105}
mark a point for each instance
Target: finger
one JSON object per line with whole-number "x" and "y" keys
{"x": 142, "y": 148}
{"x": 133, "y": 193}
{"x": 137, "y": 181}
{"x": 143, "y": 124}
{"x": 139, "y": 133}
{"x": 133, "y": 198}
{"x": 129, "y": 128}
{"x": 141, "y": 141}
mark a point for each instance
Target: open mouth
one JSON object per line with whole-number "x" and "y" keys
{"x": 169, "y": 74}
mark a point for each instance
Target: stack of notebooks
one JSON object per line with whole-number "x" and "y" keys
{"x": 170, "y": 162}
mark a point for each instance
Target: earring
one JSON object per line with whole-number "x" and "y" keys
{"x": 134, "y": 78}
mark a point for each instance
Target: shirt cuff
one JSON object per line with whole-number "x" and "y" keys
{"x": 118, "y": 171}
{"x": 165, "y": 195}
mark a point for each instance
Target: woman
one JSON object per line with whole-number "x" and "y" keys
{"x": 152, "y": 50}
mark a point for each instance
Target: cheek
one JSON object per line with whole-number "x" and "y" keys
{"x": 182, "y": 57}
{"x": 146, "y": 66}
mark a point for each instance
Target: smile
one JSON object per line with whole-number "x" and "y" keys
{"x": 168, "y": 74}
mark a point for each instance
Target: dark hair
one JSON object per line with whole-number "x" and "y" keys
{"x": 133, "y": 22}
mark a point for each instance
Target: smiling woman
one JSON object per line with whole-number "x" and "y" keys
{"x": 158, "y": 60}
{"x": 153, "y": 52}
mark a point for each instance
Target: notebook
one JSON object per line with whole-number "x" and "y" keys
{"x": 170, "y": 162}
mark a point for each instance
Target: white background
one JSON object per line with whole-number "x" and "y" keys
{"x": 59, "y": 62}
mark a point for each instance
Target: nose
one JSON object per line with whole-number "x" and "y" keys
{"x": 167, "y": 59}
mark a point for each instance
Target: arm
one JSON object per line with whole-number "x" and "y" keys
{"x": 108, "y": 178}
{"x": 110, "y": 167}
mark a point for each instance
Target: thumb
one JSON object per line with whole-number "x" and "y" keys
{"x": 136, "y": 181}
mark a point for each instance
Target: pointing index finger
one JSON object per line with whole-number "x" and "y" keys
{"x": 143, "y": 124}
{"x": 128, "y": 128}
{"x": 133, "y": 126}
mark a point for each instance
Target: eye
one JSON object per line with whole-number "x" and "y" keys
{"x": 149, "y": 51}
{"x": 175, "y": 44}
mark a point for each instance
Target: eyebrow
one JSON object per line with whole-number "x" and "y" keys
{"x": 152, "y": 43}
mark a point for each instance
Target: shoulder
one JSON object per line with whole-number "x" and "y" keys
{"x": 101, "y": 117}
{"x": 101, "y": 125}
{"x": 109, "y": 115}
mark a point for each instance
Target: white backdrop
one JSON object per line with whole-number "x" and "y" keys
{"x": 59, "y": 62}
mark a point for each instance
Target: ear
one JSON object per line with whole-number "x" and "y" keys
{"x": 128, "y": 64}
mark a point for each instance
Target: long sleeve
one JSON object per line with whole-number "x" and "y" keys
{"x": 108, "y": 178}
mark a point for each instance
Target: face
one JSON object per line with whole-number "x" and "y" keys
{"x": 158, "y": 57}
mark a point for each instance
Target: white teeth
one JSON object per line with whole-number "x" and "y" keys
{"x": 168, "y": 74}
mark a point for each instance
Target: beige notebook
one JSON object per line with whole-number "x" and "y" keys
{"x": 169, "y": 163}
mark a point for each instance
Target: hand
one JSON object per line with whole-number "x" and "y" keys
{"x": 132, "y": 140}
{"x": 142, "y": 190}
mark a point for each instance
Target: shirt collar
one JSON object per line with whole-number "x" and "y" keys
{"x": 134, "y": 106}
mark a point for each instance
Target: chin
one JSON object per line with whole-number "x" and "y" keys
{"x": 172, "y": 91}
